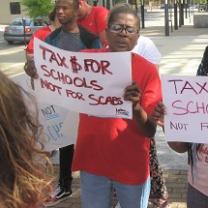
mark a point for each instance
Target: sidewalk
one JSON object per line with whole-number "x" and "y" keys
{"x": 181, "y": 54}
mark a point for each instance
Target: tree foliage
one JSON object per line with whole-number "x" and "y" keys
{"x": 37, "y": 8}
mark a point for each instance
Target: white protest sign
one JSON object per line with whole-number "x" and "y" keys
{"x": 59, "y": 124}
{"x": 186, "y": 101}
{"x": 91, "y": 83}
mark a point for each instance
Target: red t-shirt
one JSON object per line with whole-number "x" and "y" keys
{"x": 114, "y": 147}
{"x": 96, "y": 21}
{"x": 41, "y": 34}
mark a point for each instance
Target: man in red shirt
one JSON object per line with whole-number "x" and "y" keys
{"x": 94, "y": 19}
{"x": 114, "y": 152}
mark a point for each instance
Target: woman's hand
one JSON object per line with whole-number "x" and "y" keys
{"x": 158, "y": 114}
{"x": 132, "y": 93}
{"x": 29, "y": 67}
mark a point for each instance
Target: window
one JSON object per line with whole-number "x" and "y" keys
{"x": 15, "y": 8}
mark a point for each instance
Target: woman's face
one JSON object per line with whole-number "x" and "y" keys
{"x": 123, "y": 32}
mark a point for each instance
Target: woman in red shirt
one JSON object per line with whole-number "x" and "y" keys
{"x": 114, "y": 152}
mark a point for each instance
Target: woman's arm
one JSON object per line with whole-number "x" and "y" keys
{"x": 146, "y": 125}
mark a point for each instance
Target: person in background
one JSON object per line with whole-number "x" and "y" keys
{"x": 203, "y": 67}
{"x": 113, "y": 165}
{"x": 197, "y": 193}
{"x": 147, "y": 49}
{"x": 25, "y": 175}
{"x": 93, "y": 19}
{"x": 69, "y": 36}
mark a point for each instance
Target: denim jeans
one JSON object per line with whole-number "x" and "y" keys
{"x": 96, "y": 192}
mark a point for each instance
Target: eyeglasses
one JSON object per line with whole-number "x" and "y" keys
{"x": 118, "y": 28}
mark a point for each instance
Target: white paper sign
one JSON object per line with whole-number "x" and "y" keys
{"x": 59, "y": 124}
{"x": 91, "y": 83}
{"x": 186, "y": 100}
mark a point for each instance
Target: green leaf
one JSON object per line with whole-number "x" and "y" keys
{"x": 37, "y": 8}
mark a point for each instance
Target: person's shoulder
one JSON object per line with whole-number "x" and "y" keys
{"x": 205, "y": 55}
{"x": 53, "y": 35}
{"x": 141, "y": 61}
{"x": 144, "y": 40}
{"x": 138, "y": 58}
{"x": 45, "y": 29}
{"x": 142, "y": 43}
{"x": 142, "y": 70}
{"x": 100, "y": 10}
{"x": 206, "y": 51}
{"x": 147, "y": 49}
{"x": 55, "y": 32}
{"x": 89, "y": 39}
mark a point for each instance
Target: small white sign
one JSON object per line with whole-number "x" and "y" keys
{"x": 186, "y": 101}
{"x": 60, "y": 125}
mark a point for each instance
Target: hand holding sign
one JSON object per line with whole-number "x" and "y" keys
{"x": 158, "y": 114}
{"x": 83, "y": 82}
{"x": 187, "y": 108}
{"x": 132, "y": 93}
{"x": 30, "y": 67}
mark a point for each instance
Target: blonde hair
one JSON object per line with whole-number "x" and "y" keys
{"x": 23, "y": 167}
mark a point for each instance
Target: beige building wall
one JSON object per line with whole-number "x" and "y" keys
{"x": 5, "y": 16}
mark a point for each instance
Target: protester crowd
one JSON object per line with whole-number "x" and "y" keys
{"x": 115, "y": 156}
